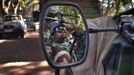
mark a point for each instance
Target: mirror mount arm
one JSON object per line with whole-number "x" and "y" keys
{"x": 91, "y": 30}
{"x": 76, "y": 37}
{"x": 57, "y": 71}
{"x": 72, "y": 47}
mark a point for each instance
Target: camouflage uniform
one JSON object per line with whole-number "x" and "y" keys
{"x": 62, "y": 46}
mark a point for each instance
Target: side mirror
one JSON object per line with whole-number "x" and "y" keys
{"x": 63, "y": 34}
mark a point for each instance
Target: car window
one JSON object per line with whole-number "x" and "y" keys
{"x": 11, "y": 18}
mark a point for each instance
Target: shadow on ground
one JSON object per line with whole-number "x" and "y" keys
{"x": 23, "y": 57}
{"x": 26, "y": 68}
{"x": 27, "y": 49}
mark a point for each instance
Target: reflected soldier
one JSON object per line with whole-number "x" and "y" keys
{"x": 59, "y": 44}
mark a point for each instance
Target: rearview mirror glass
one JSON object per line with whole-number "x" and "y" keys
{"x": 63, "y": 34}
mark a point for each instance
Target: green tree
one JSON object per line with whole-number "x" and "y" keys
{"x": 111, "y": 7}
{"x": 10, "y": 6}
{"x": 14, "y": 6}
{"x": 27, "y": 6}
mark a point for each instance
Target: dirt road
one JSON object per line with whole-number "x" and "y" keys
{"x": 27, "y": 49}
{"x": 22, "y": 56}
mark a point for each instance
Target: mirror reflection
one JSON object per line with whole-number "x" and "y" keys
{"x": 64, "y": 34}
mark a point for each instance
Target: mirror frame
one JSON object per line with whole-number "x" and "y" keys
{"x": 42, "y": 20}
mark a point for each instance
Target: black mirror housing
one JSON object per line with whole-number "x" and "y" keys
{"x": 43, "y": 28}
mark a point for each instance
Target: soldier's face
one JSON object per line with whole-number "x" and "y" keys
{"x": 60, "y": 36}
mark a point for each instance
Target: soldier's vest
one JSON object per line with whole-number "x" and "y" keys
{"x": 62, "y": 46}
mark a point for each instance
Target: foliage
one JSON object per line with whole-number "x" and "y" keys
{"x": 28, "y": 6}
{"x": 75, "y": 17}
{"x": 111, "y": 7}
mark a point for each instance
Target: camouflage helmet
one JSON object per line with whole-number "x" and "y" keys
{"x": 55, "y": 26}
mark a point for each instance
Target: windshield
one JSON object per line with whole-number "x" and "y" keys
{"x": 11, "y": 18}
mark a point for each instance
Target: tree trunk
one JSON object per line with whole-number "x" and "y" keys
{"x": 10, "y": 6}
{"x": 13, "y": 6}
{"x": 1, "y": 9}
{"x": 2, "y": 13}
{"x": 5, "y": 6}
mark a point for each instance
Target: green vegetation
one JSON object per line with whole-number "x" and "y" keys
{"x": 28, "y": 6}
{"x": 75, "y": 17}
{"x": 111, "y": 7}
{"x": 108, "y": 7}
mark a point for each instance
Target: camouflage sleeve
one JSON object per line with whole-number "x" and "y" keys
{"x": 72, "y": 27}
